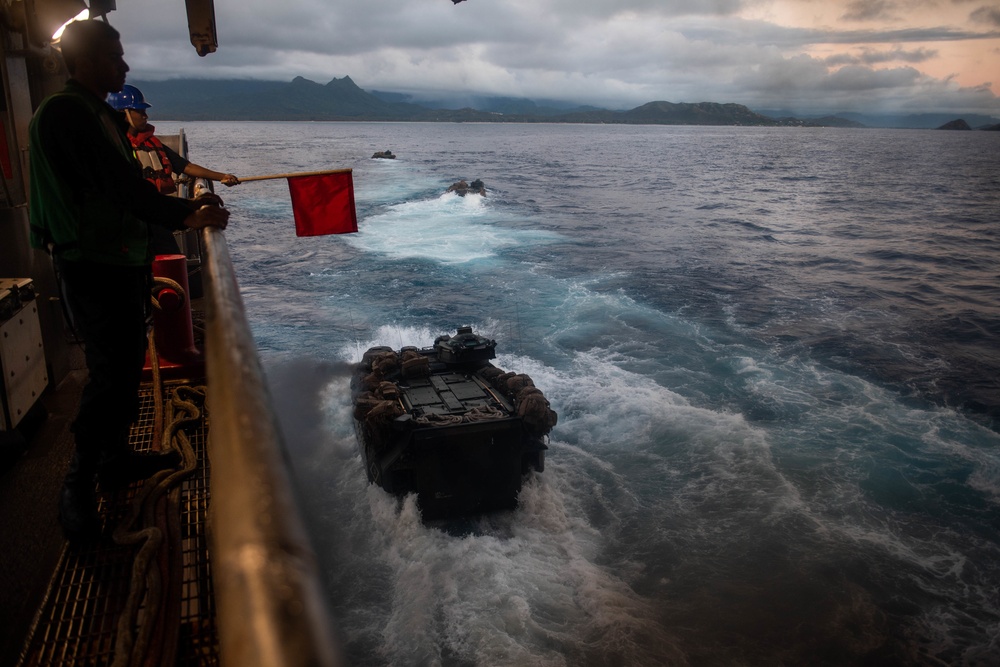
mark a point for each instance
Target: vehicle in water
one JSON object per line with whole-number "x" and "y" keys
{"x": 446, "y": 424}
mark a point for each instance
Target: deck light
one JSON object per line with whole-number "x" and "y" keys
{"x": 82, "y": 16}
{"x": 45, "y": 19}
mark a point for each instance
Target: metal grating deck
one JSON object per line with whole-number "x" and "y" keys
{"x": 77, "y": 624}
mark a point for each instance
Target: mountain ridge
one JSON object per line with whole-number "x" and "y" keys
{"x": 343, "y": 100}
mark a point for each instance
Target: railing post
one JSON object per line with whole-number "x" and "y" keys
{"x": 271, "y": 611}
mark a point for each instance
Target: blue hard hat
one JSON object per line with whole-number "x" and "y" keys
{"x": 130, "y": 98}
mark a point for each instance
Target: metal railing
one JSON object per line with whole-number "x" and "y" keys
{"x": 271, "y": 611}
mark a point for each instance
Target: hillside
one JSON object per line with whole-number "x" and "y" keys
{"x": 300, "y": 99}
{"x": 702, "y": 113}
{"x": 343, "y": 100}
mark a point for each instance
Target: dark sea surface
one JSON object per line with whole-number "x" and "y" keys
{"x": 775, "y": 355}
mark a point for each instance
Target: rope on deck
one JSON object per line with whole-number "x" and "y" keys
{"x": 158, "y": 536}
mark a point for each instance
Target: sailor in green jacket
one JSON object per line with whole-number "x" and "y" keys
{"x": 90, "y": 207}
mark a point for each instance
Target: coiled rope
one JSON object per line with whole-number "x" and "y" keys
{"x": 137, "y": 641}
{"x": 159, "y": 284}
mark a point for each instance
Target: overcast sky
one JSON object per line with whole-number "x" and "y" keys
{"x": 803, "y": 55}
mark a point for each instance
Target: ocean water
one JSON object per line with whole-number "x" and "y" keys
{"x": 774, "y": 353}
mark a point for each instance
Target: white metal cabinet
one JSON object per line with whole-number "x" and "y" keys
{"x": 22, "y": 356}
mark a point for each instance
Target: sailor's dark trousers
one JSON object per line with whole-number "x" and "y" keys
{"x": 109, "y": 305}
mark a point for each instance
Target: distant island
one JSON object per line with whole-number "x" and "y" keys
{"x": 957, "y": 124}
{"x": 343, "y": 100}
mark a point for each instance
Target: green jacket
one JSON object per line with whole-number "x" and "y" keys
{"x": 88, "y": 199}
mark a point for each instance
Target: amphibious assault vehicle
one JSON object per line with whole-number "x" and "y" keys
{"x": 446, "y": 424}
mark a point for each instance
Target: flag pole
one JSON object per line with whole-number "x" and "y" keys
{"x": 269, "y": 177}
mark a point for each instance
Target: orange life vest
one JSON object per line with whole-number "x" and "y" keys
{"x": 153, "y": 158}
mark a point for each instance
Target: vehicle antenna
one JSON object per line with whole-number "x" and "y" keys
{"x": 520, "y": 340}
{"x": 354, "y": 330}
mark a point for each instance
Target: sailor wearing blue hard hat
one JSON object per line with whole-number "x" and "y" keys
{"x": 130, "y": 97}
{"x": 159, "y": 162}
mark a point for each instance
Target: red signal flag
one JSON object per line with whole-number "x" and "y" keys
{"x": 323, "y": 204}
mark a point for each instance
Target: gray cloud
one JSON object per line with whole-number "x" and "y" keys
{"x": 805, "y": 83}
{"x": 868, "y": 10}
{"x": 987, "y": 16}
{"x": 874, "y": 57}
{"x": 760, "y": 32}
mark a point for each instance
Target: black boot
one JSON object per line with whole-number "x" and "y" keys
{"x": 120, "y": 469}
{"x": 78, "y": 502}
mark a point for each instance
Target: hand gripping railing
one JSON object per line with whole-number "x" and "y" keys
{"x": 270, "y": 604}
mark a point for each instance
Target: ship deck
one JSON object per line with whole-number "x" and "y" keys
{"x": 147, "y": 590}
{"x": 151, "y": 595}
